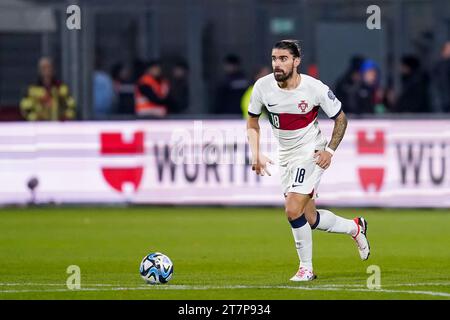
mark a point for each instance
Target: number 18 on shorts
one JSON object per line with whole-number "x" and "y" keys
{"x": 301, "y": 177}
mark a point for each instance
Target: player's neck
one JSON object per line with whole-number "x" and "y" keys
{"x": 291, "y": 83}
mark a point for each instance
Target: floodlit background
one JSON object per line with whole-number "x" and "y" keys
{"x": 197, "y": 36}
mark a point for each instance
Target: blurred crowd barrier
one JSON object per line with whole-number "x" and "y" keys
{"x": 380, "y": 163}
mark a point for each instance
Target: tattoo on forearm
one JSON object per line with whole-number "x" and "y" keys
{"x": 338, "y": 132}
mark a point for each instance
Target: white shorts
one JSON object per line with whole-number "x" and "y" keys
{"x": 301, "y": 176}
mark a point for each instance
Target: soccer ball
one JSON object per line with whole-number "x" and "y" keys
{"x": 156, "y": 268}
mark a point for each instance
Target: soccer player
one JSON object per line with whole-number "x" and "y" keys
{"x": 292, "y": 101}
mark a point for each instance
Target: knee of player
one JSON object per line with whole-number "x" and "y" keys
{"x": 293, "y": 213}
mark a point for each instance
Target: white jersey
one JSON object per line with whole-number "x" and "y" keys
{"x": 293, "y": 113}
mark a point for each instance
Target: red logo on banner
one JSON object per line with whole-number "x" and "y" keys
{"x": 371, "y": 176}
{"x": 113, "y": 144}
{"x": 116, "y": 177}
{"x": 375, "y": 146}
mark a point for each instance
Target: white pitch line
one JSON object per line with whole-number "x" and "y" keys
{"x": 77, "y": 290}
{"x": 419, "y": 284}
{"x": 54, "y": 284}
{"x": 416, "y": 284}
{"x": 187, "y": 287}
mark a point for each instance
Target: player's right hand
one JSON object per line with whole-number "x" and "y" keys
{"x": 260, "y": 165}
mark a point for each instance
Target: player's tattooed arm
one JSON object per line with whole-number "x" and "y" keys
{"x": 340, "y": 124}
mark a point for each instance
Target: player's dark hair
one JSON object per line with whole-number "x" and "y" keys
{"x": 293, "y": 46}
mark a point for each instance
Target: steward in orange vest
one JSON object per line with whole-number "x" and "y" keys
{"x": 151, "y": 92}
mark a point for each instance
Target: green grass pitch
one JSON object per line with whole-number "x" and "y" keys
{"x": 218, "y": 253}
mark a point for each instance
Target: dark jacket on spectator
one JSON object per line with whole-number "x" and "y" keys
{"x": 414, "y": 97}
{"x": 229, "y": 94}
{"x": 440, "y": 86}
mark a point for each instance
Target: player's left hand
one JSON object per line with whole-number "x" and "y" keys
{"x": 323, "y": 158}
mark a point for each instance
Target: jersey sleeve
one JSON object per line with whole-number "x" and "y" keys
{"x": 256, "y": 104}
{"x": 328, "y": 101}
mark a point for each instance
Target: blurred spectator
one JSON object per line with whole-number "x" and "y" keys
{"x": 124, "y": 88}
{"x": 389, "y": 90}
{"x": 390, "y": 97}
{"x": 441, "y": 81}
{"x": 137, "y": 68}
{"x": 151, "y": 92}
{"x": 245, "y": 101}
{"x": 179, "y": 88}
{"x": 414, "y": 95}
{"x": 49, "y": 98}
{"x": 370, "y": 95}
{"x": 103, "y": 91}
{"x": 231, "y": 89}
{"x": 348, "y": 86}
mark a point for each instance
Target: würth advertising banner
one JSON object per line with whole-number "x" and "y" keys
{"x": 401, "y": 163}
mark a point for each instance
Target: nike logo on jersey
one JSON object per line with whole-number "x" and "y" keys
{"x": 272, "y": 105}
{"x": 296, "y": 185}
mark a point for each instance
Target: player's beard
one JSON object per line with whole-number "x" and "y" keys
{"x": 283, "y": 76}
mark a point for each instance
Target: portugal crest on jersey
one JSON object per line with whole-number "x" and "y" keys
{"x": 303, "y": 105}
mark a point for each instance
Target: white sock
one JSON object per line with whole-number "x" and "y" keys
{"x": 329, "y": 222}
{"x": 303, "y": 241}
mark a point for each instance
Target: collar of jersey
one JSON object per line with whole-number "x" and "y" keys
{"x": 290, "y": 90}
